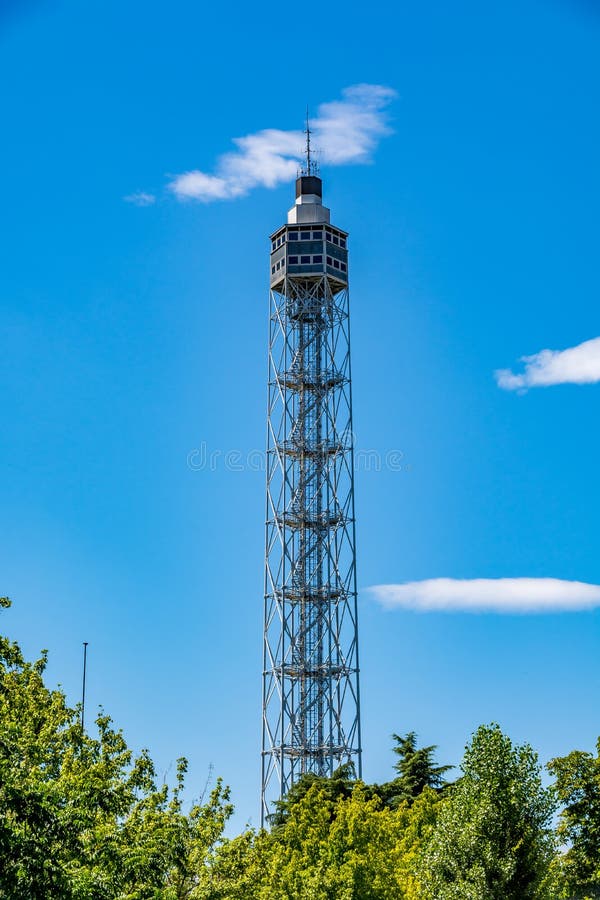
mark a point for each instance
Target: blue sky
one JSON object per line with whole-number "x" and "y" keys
{"x": 133, "y": 335}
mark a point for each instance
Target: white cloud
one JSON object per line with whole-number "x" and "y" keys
{"x": 576, "y": 365}
{"x": 344, "y": 131}
{"x": 500, "y": 595}
{"x": 140, "y": 198}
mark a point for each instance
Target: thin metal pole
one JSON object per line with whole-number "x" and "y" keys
{"x": 85, "y": 646}
{"x": 307, "y": 143}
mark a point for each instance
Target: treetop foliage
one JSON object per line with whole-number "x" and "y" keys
{"x": 577, "y": 787}
{"x": 82, "y": 818}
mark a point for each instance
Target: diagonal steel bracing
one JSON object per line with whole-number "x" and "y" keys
{"x": 311, "y": 714}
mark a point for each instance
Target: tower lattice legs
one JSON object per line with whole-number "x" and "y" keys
{"x": 311, "y": 709}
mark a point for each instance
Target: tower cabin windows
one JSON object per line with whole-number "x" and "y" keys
{"x": 315, "y": 234}
{"x": 305, "y": 260}
{"x": 309, "y": 249}
{"x": 309, "y": 233}
{"x": 336, "y": 238}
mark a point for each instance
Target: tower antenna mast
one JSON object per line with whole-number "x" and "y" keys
{"x": 308, "y": 166}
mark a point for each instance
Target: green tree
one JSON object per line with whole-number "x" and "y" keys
{"x": 81, "y": 818}
{"x": 39, "y": 824}
{"x": 339, "y": 785}
{"x": 493, "y": 839}
{"x": 330, "y": 847}
{"x": 417, "y": 770}
{"x": 578, "y": 789}
{"x": 240, "y": 867}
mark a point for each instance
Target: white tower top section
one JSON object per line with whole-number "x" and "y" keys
{"x": 309, "y": 202}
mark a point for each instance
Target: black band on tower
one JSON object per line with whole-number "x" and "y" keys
{"x": 309, "y": 184}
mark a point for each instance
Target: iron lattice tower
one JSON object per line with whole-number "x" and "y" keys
{"x": 311, "y": 707}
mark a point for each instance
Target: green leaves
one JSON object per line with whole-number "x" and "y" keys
{"x": 338, "y": 786}
{"x": 416, "y": 770}
{"x": 82, "y": 818}
{"x": 339, "y": 847}
{"x": 578, "y": 790}
{"x": 493, "y": 837}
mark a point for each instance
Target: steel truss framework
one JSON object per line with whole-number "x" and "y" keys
{"x": 311, "y": 706}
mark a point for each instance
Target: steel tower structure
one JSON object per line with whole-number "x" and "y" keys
{"x": 311, "y": 707}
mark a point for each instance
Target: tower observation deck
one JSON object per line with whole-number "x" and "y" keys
{"x": 311, "y": 708}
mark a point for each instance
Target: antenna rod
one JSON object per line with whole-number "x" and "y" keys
{"x": 85, "y": 646}
{"x": 307, "y": 144}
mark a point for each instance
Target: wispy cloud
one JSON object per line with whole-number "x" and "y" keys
{"x": 344, "y": 131}
{"x": 576, "y": 365}
{"x": 499, "y": 595}
{"x": 140, "y": 198}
